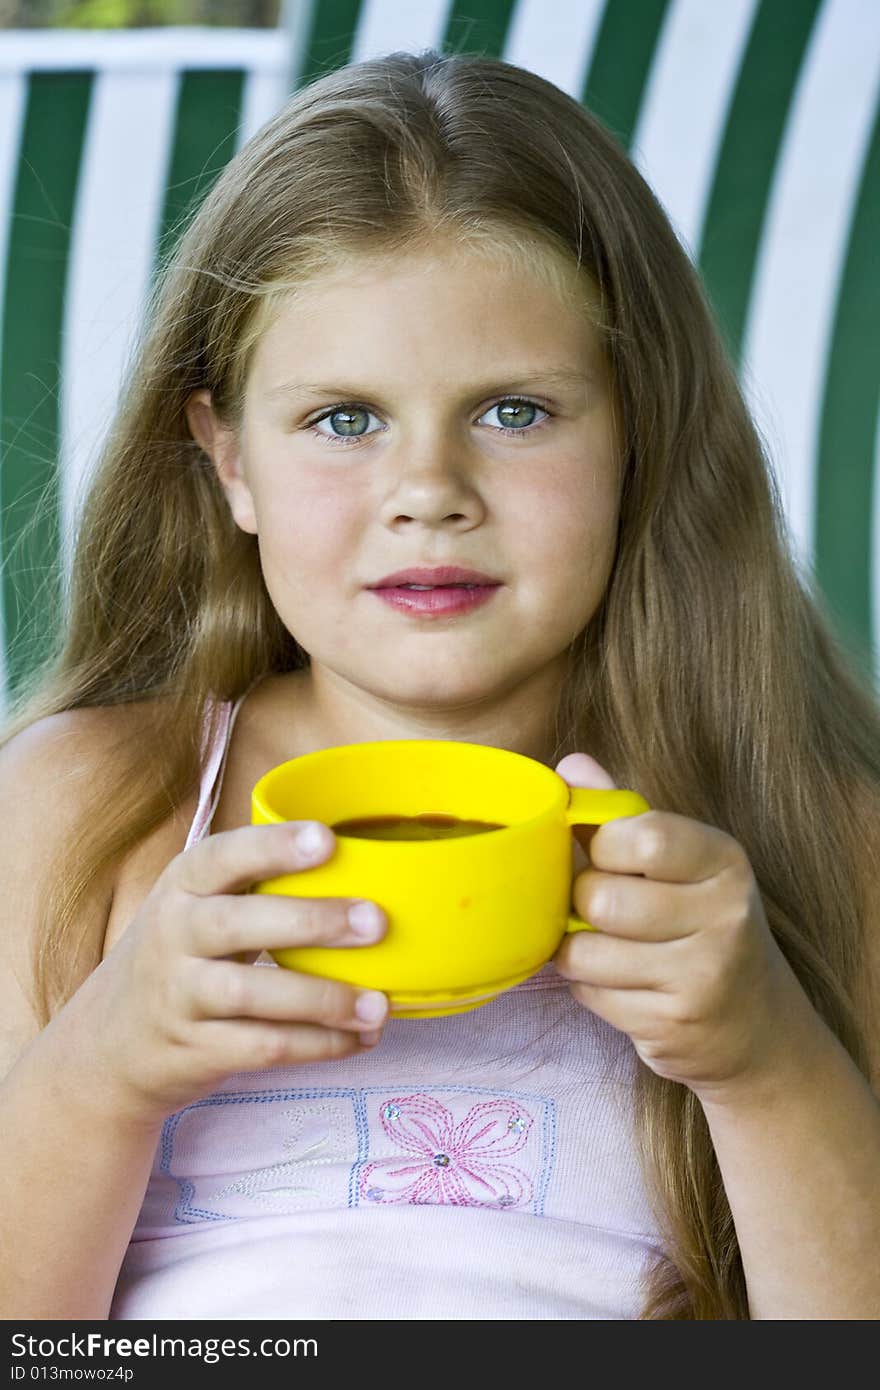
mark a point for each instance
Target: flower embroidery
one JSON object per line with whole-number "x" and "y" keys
{"x": 279, "y": 1185}
{"x": 451, "y": 1164}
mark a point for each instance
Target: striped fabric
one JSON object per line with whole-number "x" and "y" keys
{"x": 755, "y": 121}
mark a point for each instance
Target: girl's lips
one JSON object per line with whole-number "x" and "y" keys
{"x": 442, "y": 601}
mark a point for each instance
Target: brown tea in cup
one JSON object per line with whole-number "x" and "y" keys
{"x": 424, "y": 827}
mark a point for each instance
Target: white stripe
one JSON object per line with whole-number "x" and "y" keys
{"x": 295, "y": 18}
{"x": 387, "y": 26}
{"x": 115, "y": 231}
{"x": 141, "y": 50}
{"x": 685, "y": 108}
{"x": 555, "y": 41}
{"x": 797, "y": 280}
{"x": 263, "y": 96}
{"x": 13, "y": 100}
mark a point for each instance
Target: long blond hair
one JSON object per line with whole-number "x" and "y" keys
{"x": 710, "y": 678}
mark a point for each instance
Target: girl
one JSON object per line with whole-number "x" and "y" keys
{"x": 431, "y": 317}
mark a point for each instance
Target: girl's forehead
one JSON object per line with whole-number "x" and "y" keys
{"x": 529, "y": 262}
{"x": 479, "y": 300}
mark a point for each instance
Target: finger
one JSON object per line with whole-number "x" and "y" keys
{"x": 610, "y": 962}
{"x": 664, "y": 846}
{"x": 223, "y": 989}
{"x": 233, "y": 860}
{"x": 240, "y": 1045}
{"x": 638, "y": 1012}
{"x": 642, "y": 909}
{"x": 580, "y": 770}
{"x": 223, "y": 925}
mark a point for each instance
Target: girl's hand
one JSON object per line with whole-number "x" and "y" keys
{"x": 682, "y": 960}
{"x": 170, "y": 1012}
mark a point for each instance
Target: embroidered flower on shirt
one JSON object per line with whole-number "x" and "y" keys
{"x": 451, "y": 1164}
{"x": 279, "y": 1185}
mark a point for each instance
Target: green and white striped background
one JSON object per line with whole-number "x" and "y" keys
{"x": 755, "y": 121}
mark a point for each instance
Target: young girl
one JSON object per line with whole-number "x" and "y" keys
{"x": 431, "y": 318}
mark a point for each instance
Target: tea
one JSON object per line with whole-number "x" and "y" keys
{"x": 425, "y": 827}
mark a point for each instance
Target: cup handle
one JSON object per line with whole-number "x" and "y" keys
{"x": 594, "y": 806}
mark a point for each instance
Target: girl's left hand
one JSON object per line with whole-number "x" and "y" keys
{"x": 682, "y": 960}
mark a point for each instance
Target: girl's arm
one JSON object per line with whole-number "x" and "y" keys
{"x": 799, "y": 1152}
{"x": 73, "y": 1169}
{"x": 169, "y": 1013}
{"x": 800, "y": 1159}
{"x": 684, "y": 962}
{"x": 73, "y": 1173}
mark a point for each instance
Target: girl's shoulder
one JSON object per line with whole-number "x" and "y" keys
{"x": 56, "y": 760}
{"x": 55, "y": 767}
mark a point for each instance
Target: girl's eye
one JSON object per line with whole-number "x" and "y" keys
{"x": 349, "y": 418}
{"x": 353, "y": 419}
{"x": 519, "y": 415}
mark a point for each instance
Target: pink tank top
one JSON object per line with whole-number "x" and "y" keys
{"x": 479, "y": 1166}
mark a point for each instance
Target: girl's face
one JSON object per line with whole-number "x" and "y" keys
{"x": 373, "y": 441}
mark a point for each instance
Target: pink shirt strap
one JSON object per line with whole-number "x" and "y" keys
{"x": 213, "y": 765}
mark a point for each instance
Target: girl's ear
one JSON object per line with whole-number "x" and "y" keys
{"x": 221, "y": 444}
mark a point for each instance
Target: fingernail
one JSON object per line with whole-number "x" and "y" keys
{"x": 311, "y": 840}
{"x": 369, "y": 1039}
{"x": 371, "y": 1006}
{"x": 365, "y": 919}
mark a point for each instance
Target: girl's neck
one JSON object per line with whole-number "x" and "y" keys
{"x": 308, "y": 710}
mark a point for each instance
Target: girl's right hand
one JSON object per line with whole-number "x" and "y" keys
{"x": 171, "y": 1012}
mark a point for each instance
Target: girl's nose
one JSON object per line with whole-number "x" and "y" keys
{"x": 433, "y": 485}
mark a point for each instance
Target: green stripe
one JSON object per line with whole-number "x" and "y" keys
{"x": 39, "y": 250}
{"x": 334, "y": 25}
{"x": 743, "y": 178}
{"x": 206, "y": 123}
{"x": 331, "y": 38}
{"x": 845, "y": 476}
{"x": 484, "y": 33}
{"x": 621, "y": 62}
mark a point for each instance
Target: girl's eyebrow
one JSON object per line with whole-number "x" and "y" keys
{"x": 513, "y": 381}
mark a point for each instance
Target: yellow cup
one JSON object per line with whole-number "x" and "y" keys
{"x": 468, "y": 916}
